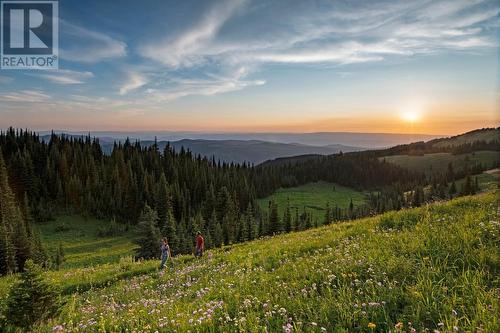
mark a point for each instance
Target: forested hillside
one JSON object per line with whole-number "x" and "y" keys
{"x": 183, "y": 193}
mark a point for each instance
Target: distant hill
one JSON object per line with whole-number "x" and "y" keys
{"x": 364, "y": 140}
{"x": 486, "y": 134}
{"x": 252, "y": 151}
{"x": 236, "y": 151}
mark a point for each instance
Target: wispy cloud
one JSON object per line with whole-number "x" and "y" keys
{"x": 187, "y": 48}
{"x": 24, "y": 96}
{"x": 134, "y": 81}
{"x": 67, "y": 77}
{"x": 89, "y": 46}
{"x": 210, "y": 86}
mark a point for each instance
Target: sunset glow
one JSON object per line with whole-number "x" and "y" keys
{"x": 408, "y": 66}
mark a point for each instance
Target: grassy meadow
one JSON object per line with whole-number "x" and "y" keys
{"x": 313, "y": 198}
{"x": 438, "y": 162}
{"x": 81, "y": 242}
{"x": 430, "y": 268}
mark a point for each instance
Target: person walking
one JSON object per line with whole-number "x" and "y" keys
{"x": 165, "y": 252}
{"x": 200, "y": 244}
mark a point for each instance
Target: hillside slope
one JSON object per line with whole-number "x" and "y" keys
{"x": 486, "y": 135}
{"x": 432, "y": 268}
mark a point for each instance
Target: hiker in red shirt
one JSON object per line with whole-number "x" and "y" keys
{"x": 200, "y": 244}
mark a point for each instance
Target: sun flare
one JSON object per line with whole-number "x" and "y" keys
{"x": 411, "y": 113}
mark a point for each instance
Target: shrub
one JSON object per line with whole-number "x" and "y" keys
{"x": 32, "y": 299}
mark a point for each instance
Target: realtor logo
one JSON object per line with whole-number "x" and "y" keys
{"x": 30, "y": 35}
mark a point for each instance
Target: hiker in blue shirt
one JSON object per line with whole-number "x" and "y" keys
{"x": 165, "y": 252}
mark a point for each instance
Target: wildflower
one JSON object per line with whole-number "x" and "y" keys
{"x": 287, "y": 328}
{"x": 455, "y": 328}
{"x": 58, "y": 328}
{"x": 314, "y": 323}
{"x": 399, "y": 326}
{"x": 371, "y": 326}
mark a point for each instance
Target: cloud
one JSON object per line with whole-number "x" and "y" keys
{"x": 335, "y": 33}
{"x": 134, "y": 81}
{"x": 210, "y": 86}
{"x": 186, "y": 49}
{"x": 89, "y": 46}
{"x": 24, "y": 96}
{"x": 67, "y": 77}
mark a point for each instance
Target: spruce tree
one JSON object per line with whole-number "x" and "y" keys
{"x": 274, "y": 220}
{"x": 149, "y": 240}
{"x": 59, "y": 256}
{"x": 453, "y": 189}
{"x": 287, "y": 218}
{"x": 32, "y": 299}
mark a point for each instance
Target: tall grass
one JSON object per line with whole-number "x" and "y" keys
{"x": 426, "y": 269}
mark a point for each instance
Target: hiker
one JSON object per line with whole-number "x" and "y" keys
{"x": 200, "y": 244}
{"x": 165, "y": 252}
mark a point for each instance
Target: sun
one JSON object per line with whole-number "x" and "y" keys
{"x": 411, "y": 113}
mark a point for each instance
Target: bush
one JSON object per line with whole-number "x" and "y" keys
{"x": 32, "y": 299}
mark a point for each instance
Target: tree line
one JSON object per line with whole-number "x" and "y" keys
{"x": 176, "y": 193}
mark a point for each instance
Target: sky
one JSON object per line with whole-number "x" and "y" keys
{"x": 265, "y": 66}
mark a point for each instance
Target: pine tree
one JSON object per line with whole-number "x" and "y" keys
{"x": 453, "y": 189}
{"x": 467, "y": 187}
{"x": 59, "y": 257}
{"x": 274, "y": 220}
{"x": 287, "y": 218}
{"x": 351, "y": 210}
{"x": 328, "y": 215}
{"x": 218, "y": 236}
{"x": 32, "y": 299}
{"x": 149, "y": 240}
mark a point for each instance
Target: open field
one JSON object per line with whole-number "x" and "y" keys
{"x": 81, "y": 244}
{"x": 438, "y": 162}
{"x": 313, "y": 197}
{"x": 435, "y": 267}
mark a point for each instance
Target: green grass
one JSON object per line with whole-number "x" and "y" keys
{"x": 436, "y": 267}
{"x": 313, "y": 197}
{"x": 80, "y": 241}
{"x": 438, "y": 162}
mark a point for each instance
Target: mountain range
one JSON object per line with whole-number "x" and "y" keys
{"x": 255, "y": 148}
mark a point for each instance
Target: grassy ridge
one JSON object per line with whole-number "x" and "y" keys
{"x": 438, "y": 162}
{"x": 313, "y": 197}
{"x": 435, "y": 267}
{"x": 480, "y": 135}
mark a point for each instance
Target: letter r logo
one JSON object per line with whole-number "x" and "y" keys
{"x": 28, "y": 27}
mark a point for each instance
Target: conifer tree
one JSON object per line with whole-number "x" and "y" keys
{"x": 274, "y": 220}
{"x": 32, "y": 299}
{"x": 287, "y": 218}
{"x": 59, "y": 257}
{"x": 328, "y": 215}
{"x": 149, "y": 241}
{"x": 453, "y": 189}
